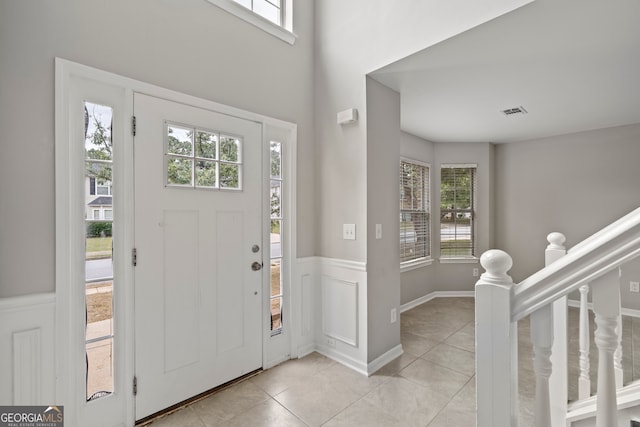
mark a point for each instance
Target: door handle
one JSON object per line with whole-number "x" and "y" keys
{"x": 256, "y": 266}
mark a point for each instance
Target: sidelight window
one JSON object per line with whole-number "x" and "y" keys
{"x": 277, "y": 218}
{"x": 99, "y": 284}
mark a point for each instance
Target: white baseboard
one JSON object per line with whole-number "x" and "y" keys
{"x": 306, "y": 350}
{"x": 387, "y": 357}
{"x": 437, "y": 294}
{"x": 343, "y": 359}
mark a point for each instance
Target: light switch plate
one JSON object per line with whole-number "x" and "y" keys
{"x": 378, "y": 231}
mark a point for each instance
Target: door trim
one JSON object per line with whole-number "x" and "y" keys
{"x": 69, "y": 196}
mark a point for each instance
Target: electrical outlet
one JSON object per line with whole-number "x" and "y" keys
{"x": 394, "y": 315}
{"x": 634, "y": 286}
{"x": 348, "y": 231}
{"x": 475, "y": 272}
{"x": 331, "y": 342}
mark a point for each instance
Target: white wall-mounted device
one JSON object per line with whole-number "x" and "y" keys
{"x": 348, "y": 116}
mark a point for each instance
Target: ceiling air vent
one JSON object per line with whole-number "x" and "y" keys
{"x": 514, "y": 111}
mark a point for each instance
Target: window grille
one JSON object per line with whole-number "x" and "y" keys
{"x": 415, "y": 241}
{"x": 268, "y": 9}
{"x": 457, "y": 211}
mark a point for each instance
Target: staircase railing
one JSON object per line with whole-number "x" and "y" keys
{"x": 500, "y": 304}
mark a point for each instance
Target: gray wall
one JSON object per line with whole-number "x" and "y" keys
{"x": 383, "y": 193}
{"x": 574, "y": 184}
{"x": 187, "y": 45}
{"x": 354, "y": 38}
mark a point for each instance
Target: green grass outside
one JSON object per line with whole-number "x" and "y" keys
{"x": 451, "y": 248}
{"x": 98, "y": 245}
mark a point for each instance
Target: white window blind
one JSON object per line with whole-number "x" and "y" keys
{"x": 415, "y": 242}
{"x": 457, "y": 210}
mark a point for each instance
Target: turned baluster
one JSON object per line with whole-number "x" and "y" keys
{"x": 542, "y": 340}
{"x": 584, "y": 381}
{"x": 617, "y": 356}
{"x": 605, "y": 292}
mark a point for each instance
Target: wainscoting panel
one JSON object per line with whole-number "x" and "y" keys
{"x": 26, "y": 365}
{"x": 27, "y": 350}
{"x": 304, "y": 297}
{"x": 307, "y": 308}
{"x": 331, "y": 296}
{"x": 340, "y": 309}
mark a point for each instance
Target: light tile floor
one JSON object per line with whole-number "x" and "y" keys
{"x": 432, "y": 384}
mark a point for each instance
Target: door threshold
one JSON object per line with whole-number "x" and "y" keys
{"x": 178, "y": 406}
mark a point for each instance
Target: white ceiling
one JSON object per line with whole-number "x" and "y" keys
{"x": 574, "y": 65}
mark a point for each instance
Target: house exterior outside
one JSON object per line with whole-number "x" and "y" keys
{"x": 99, "y": 200}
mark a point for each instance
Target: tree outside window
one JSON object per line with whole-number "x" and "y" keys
{"x": 457, "y": 211}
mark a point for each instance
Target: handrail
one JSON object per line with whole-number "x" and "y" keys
{"x": 607, "y": 249}
{"x": 617, "y": 223}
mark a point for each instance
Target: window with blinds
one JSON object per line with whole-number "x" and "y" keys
{"x": 457, "y": 211}
{"x": 415, "y": 242}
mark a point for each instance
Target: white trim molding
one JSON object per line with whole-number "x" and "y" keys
{"x": 343, "y": 263}
{"x": 284, "y": 33}
{"x": 67, "y": 313}
{"x": 383, "y": 359}
{"x": 462, "y": 260}
{"x": 415, "y": 264}
{"x": 437, "y": 294}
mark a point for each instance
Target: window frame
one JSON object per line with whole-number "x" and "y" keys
{"x": 284, "y": 31}
{"x": 106, "y": 185}
{"x": 218, "y": 161}
{"x": 422, "y": 261}
{"x": 473, "y": 258}
{"x": 280, "y": 217}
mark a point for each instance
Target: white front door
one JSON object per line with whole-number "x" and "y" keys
{"x": 198, "y": 238}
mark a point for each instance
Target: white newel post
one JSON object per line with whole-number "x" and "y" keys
{"x": 542, "y": 340}
{"x": 584, "y": 381}
{"x": 496, "y": 344}
{"x": 558, "y": 382}
{"x": 605, "y": 292}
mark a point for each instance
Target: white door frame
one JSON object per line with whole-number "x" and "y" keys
{"x": 69, "y": 171}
